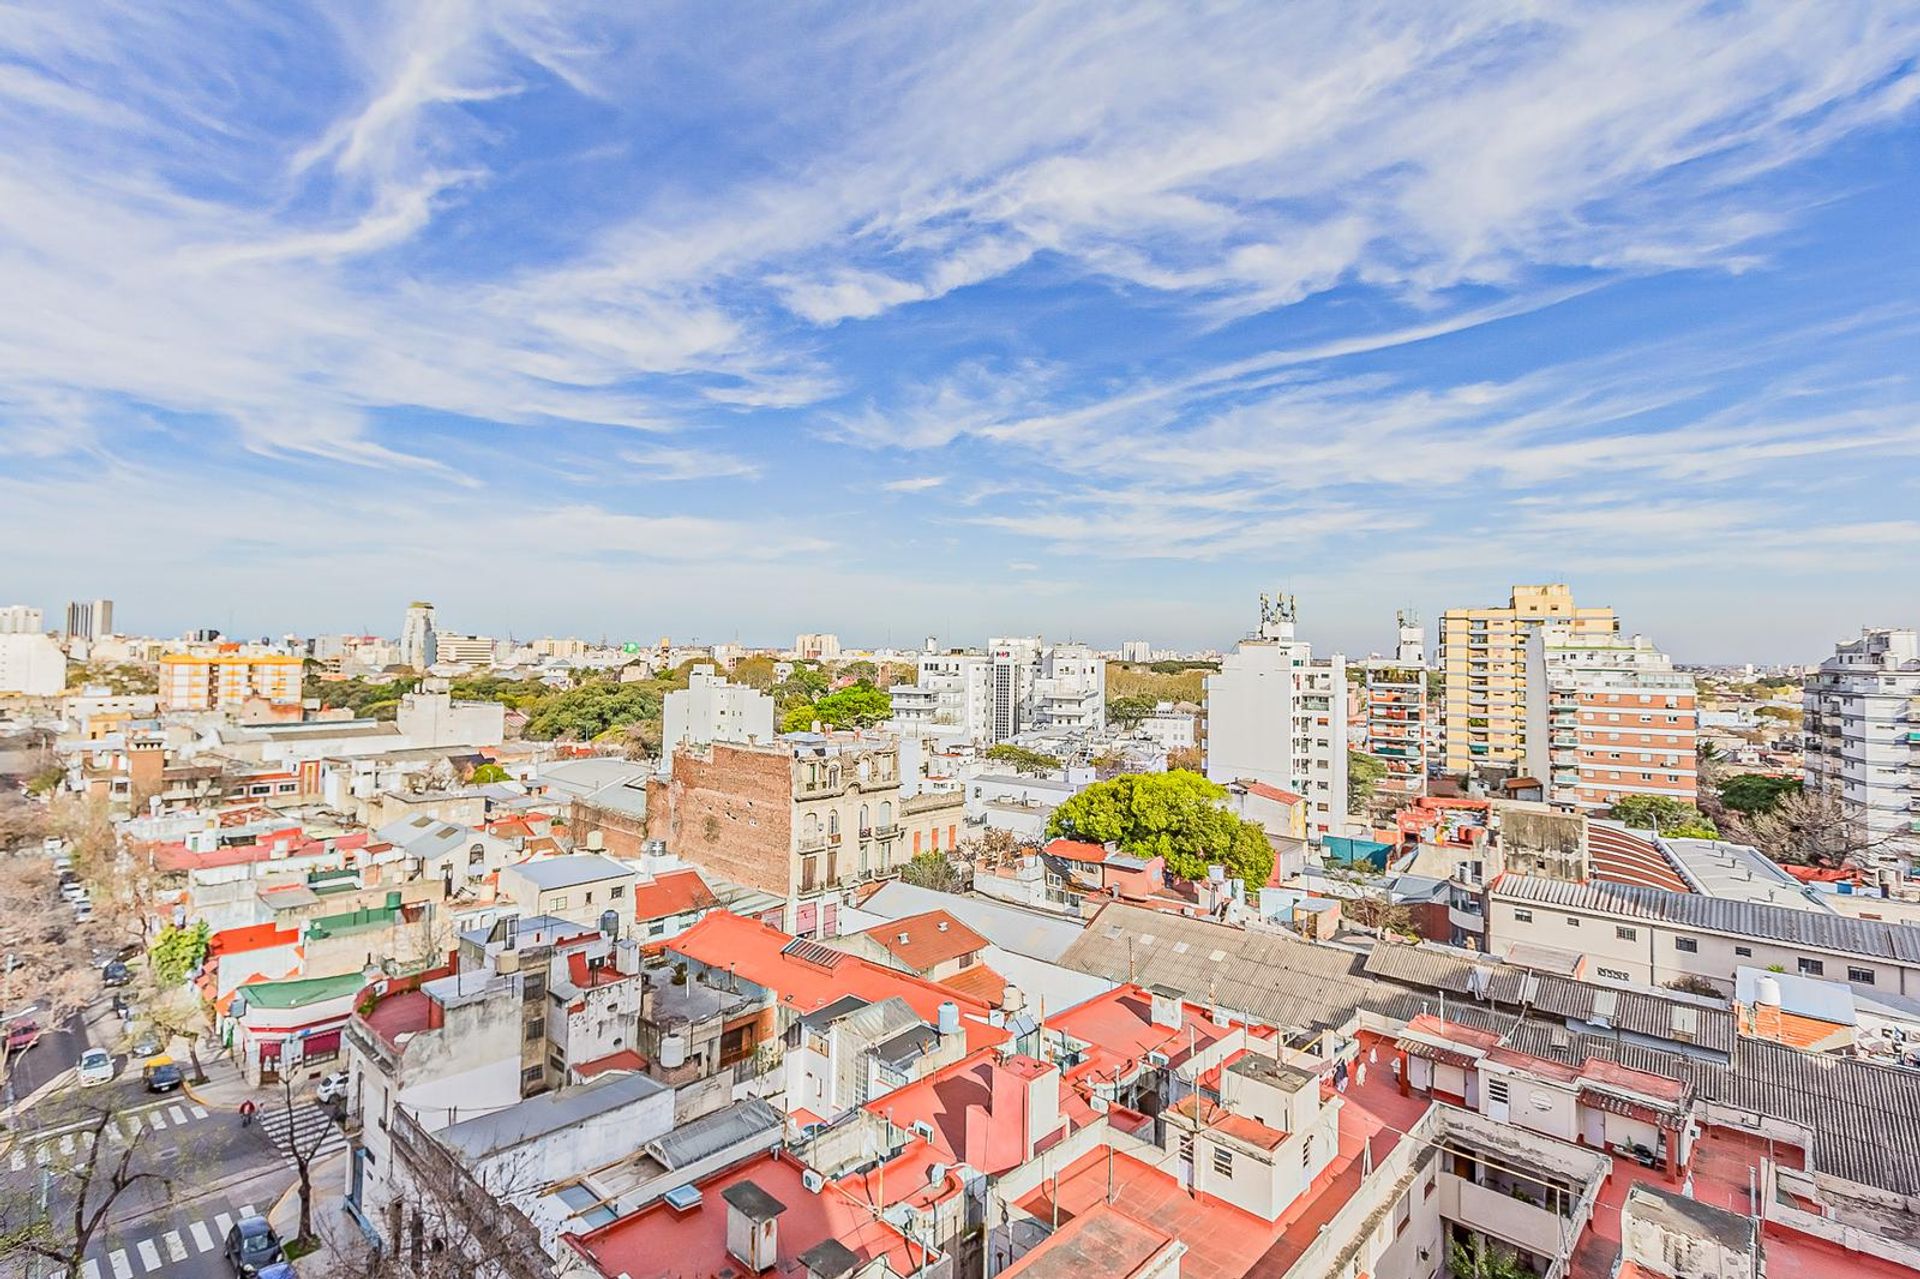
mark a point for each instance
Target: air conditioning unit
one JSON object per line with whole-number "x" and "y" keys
{"x": 812, "y": 1180}
{"x": 923, "y": 1129}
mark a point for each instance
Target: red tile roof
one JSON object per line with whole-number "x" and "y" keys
{"x": 922, "y": 943}
{"x": 1274, "y": 793}
{"x": 660, "y": 1240}
{"x": 978, "y": 982}
{"x": 625, "y": 1059}
{"x": 675, "y": 892}
{"x": 755, "y": 952}
{"x": 238, "y": 941}
{"x": 1120, "y": 1027}
{"x": 1103, "y": 1241}
{"x": 1076, "y": 850}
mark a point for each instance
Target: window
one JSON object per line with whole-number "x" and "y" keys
{"x": 1306, "y": 1152}
{"x": 1186, "y": 1147}
{"x": 1223, "y": 1161}
{"x": 1626, "y": 934}
{"x": 477, "y": 855}
{"x": 617, "y": 891}
{"x": 1745, "y": 952}
{"x": 536, "y": 1029}
{"x": 589, "y": 898}
{"x": 1573, "y": 921}
{"x": 532, "y": 1077}
{"x": 1522, "y": 916}
{"x": 1687, "y": 944}
{"x": 558, "y": 902}
{"x": 1497, "y": 1090}
{"x": 1614, "y": 974}
{"x": 1812, "y": 967}
{"x": 1860, "y": 976}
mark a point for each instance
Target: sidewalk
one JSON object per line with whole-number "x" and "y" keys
{"x": 335, "y": 1230}
{"x": 225, "y": 1087}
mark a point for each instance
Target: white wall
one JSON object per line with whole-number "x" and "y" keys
{"x": 32, "y": 665}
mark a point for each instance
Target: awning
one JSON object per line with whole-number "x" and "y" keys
{"x": 1433, "y": 1052}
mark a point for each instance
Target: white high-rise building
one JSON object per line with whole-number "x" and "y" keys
{"x": 1015, "y": 686}
{"x": 1863, "y": 737}
{"x": 463, "y": 650}
{"x": 417, "y": 637}
{"x": 89, "y": 619}
{"x": 21, "y": 619}
{"x": 1136, "y": 651}
{"x": 710, "y": 709}
{"x": 32, "y": 664}
{"x": 1278, "y": 715}
{"x": 1411, "y": 648}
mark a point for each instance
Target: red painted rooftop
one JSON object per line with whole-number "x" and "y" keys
{"x": 923, "y": 942}
{"x": 676, "y": 892}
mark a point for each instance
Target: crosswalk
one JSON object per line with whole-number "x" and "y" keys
{"x": 144, "y": 1256}
{"x": 310, "y": 1130}
{"x": 68, "y": 1149}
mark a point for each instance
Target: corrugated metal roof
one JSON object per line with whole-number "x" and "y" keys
{"x": 1273, "y": 978}
{"x": 710, "y": 1134}
{"x": 1785, "y": 924}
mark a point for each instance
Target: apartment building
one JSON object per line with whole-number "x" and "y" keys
{"x": 417, "y": 636}
{"x": 1630, "y": 933}
{"x": 220, "y": 681}
{"x": 1483, "y": 652}
{"x": 1607, "y": 718}
{"x": 20, "y": 619}
{"x": 462, "y": 650}
{"x": 803, "y": 817}
{"x": 89, "y": 619}
{"x": 1863, "y": 738}
{"x": 709, "y": 709}
{"x": 1396, "y": 726}
{"x": 32, "y": 664}
{"x": 1277, "y": 715}
{"x": 821, "y": 647}
{"x": 1015, "y": 686}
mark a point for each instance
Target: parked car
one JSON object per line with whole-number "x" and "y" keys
{"x": 73, "y": 890}
{"x": 22, "y": 1035}
{"x": 82, "y": 912}
{"x": 116, "y": 973}
{"x": 331, "y": 1088}
{"x": 162, "y": 1075}
{"x": 278, "y": 1270}
{"x": 145, "y": 1047}
{"x": 252, "y": 1247}
{"x": 96, "y": 1067}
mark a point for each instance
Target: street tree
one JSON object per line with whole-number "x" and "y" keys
{"x": 1024, "y": 760}
{"x": 177, "y": 952}
{"x": 105, "y": 1169}
{"x": 1363, "y": 777}
{"x": 1180, "y": 817}
{"x": 302, "y": 1149}
{"x": 46, "y": 971}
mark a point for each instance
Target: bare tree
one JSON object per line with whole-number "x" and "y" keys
{"x": 43, "y": 955}
{"x": 1818, "y": 828}
{"x": 1378, "y": 912}
{"x": 302, "y": 1150}
{"x": 96, "y": 1177}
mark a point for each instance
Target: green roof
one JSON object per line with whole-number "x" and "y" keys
{"x": 352, "y": 921}
{"x": 301, "y": 991}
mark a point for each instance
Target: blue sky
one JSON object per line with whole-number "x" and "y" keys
{"x": 904, "y": 319}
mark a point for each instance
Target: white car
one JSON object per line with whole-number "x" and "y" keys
{"x": 82, "y": 912}
{"x": 74, "y": 892}
{"x": 96, "y": 1067}
{"x": 331, "y": 1088}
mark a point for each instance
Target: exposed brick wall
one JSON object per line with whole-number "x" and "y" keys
{"x": 622, "y": 833}
{"x": 731, "y": 813}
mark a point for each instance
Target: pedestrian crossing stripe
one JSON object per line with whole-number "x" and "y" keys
{"x": 120, "y": 1261}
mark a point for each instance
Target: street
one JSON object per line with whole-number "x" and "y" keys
{"x": 214, "y": 1172}
{"x": 59, "y": 1047}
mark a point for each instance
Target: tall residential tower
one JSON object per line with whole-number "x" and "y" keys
{"x": 417, "y": 638}
{"x": 1484, "y": 654}
{"x": 1863, "y": 738}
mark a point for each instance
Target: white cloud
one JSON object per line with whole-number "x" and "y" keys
{"x": 914, "y": 484}
{"x": 662, "y": 462}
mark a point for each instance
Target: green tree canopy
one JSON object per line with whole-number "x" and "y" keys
{"x": 933, "y": 870}
{"x": 1130, "y": 710}
{"x": 1755, "y": 792}
{"x": 797, "y": 719}
{"x": 1030, "y": 762}
{"x": 585, "y": 712}
{"x": 855, "y": 706}
{"x": 489, "y": 773}
{"x": 1178, "y": 816}
{"x": 1363, "y": 778}
{"x": 1668, "y": 815}
{"x": 177, "y": 952}
{"x": 755, "y": 672}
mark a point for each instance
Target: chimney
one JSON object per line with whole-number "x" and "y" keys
{"x": 753, "y": 1228}
{"x": 1166, "y": 1007}
{"x": 943, "y": 925}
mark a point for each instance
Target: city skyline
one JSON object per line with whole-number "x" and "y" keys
{"x": 582, "y": 323}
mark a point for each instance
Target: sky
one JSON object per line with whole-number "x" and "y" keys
{"x": 895, "y": 320}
